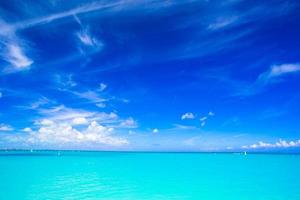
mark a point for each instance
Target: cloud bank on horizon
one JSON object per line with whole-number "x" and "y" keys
{"x": 150, "y": 75}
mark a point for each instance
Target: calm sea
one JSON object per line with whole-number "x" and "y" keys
{"x": 140, "y": 176}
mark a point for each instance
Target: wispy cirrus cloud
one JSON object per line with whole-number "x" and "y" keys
{"x": 222, "y": 22}
{"x": 95, "y": 6}
{"x": 87, "y": 41}
{"x": 15, "y": 55}
{"x": 86, "y": 38}
{"x": 85, "y": 8}
{"x": 13, "y": 49}
{"x": 276, "y": 71}
{"x": 64, "y": 81}
{"x": 40, "y": 102}
{"x": 272, "y": 75}
{"x": 180, "y": 126}
{"x": 90, "y": 95}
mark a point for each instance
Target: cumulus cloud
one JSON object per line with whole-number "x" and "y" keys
{"x": 279, "y": 144}
{"x": 188, "y": 115}
{"x": 6, "y": 127}
{"x": 62, "y": 114}
{"x": 65, "y": 127}
{"x": 65, "y": 134}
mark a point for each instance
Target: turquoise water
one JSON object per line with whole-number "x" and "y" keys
{"x": 111, "y": 175}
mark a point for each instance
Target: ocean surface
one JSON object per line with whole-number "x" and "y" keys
{"x": 141, "y": 176}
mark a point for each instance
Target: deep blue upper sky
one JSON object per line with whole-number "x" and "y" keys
{"x": 150, "y": 75}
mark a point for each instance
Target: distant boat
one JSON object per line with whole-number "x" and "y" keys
{"x": 245, "y": 153}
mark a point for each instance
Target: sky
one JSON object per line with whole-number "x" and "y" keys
{"x": 204, "y": 75}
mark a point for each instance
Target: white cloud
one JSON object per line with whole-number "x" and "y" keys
{"x": 129, "y": 123}
{"x": 60, "y": 15}
{"x": 101, "y": 105}
{"x": 12, "y": 49}
{"x": 67, "y": 115}
{"x": 88, "y": 40}
{"x": 46, "y": 122}
{"x": 102, "y": 87}
{"x": 100, "y": 6}
{"x": 79, "y": 121}
{"x": 57, "y": 126}
{"x": 65, "y": 134}
{"x": 64, "y": 81}
{"x": 222, "y": 22}
{"x": 155, "y": 130}
{"x": 6, "y": 127}
{"x": 40, "y": 102}
{"x": 16, "y": 56}
{"x": 279, "y": 70}
{"x": 202, "y": 119}
{"x": 274, "y": 74}
{"x": 211, "y": 114}
{"x": 188, "y": 115}
{"x": 180, "y": 126}
{"x": 203, "y": 123}
{"x": 279, "y": 144}
{"x": 90, "y": 95}
{"x": 27, "y": 129}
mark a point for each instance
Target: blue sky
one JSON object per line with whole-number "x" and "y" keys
{"x": 150, "y": 75}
